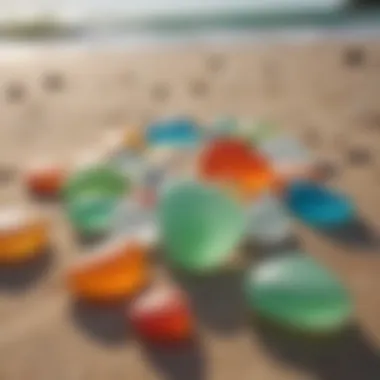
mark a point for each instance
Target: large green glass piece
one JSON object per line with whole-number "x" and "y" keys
{"x": 296, "y": 292}
{"x": 200, "y": 226}
{"x": 92, "y": 196}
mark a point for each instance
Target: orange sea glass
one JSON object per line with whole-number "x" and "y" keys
{"x": 162, "y": 316}
{"x": 134, "y": 139}
{"x": 22, "y": 236}
{"x": 111, "y": 273}
{"x": 234, "y": 162}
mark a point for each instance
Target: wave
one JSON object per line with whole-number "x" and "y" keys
{"x": 189, "y": 26}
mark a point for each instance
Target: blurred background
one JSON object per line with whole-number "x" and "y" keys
{"x": 71, "y": 71}
{"x": 114, "y": 20}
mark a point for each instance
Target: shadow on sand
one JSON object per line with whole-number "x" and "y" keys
{"x": 217, "y": 300}
{"x": 19, "y": 277}
{"x": 106, "y": 324}
{"x": 357, "y": 234}
{"x": 182, "y": 362}
{"x": 346, "y": 356}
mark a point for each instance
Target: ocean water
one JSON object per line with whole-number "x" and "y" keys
{"x": 219, "y": 28}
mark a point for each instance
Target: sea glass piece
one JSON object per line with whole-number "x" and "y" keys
{"x": 200, "y": 226}
{"x": 116, "y": 270}
{"x": 134, "y": 219}
{"x": 134, "y": 139}
{"x": 129, "y": 164}
{"x": 296, "y": 292}
{"x": 225, "y": 126}
{"x": 173, "y": 132}
{"x": 232, "y": 161}
{"x": 268, "y": 221}
{"x": 318, "y": 206}
{"x": 24, "y": 234}
{"x": 289, "y": 158}
{"x": 92, "y": 196}
{"x": 162, "y": 315}
{"x": 260, "y": 132}
{"x": 45, "y": 179}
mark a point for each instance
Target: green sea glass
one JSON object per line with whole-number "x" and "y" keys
{"x": 91, "y": 198}
{"x": 296, "y": 292}
{"x": 200, "y": 226}
{"x": 260, "y": 132}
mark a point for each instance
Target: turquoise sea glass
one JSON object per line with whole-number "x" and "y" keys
{"x": 173, "y": 132}
{"x": 200, "y": 226}
{"x": 91, "y": 197}
{"x": 319, "y": 206}
{"x": 268, "y": 221}
{"x": 295, "y": 291}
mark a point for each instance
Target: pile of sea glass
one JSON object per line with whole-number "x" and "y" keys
{"x": 197, "y": 192}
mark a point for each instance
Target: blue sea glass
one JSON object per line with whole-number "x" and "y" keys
{"x": 173, "y": 132}
{"x": 319, "y": 206}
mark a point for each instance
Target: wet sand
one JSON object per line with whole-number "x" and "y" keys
{"x": 58, "y": 105}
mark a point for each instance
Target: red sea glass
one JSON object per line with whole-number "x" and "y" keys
{"x": 233, "y": 162}
{"x": 162, "y": 316}
{"x": 45, "y": 180}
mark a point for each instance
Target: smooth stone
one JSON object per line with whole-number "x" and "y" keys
{"x": 296, "y": 292}
{"x": 269, "y": 222}
{"x": 92, "y": 196}
{"x": 200, "y": 226}
{"x": 318, "y": 206}
{"x": 173, "y": 132}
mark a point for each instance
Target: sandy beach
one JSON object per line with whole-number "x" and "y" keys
{"x": 61, "y": 103}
